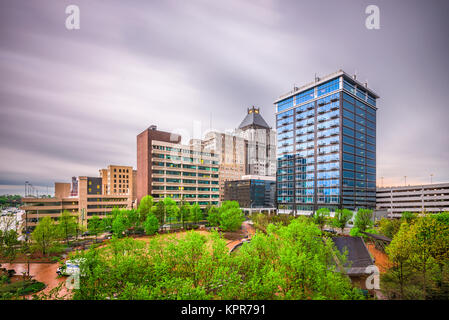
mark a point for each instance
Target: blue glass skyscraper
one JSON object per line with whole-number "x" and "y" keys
{"x": 326, "y": 145}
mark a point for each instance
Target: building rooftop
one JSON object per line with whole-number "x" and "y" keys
{"x": 254, "y": 120}
{"x": 358, "y": 257}
{"x": 321, "y": 80}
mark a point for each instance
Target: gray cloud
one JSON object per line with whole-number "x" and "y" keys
{"x": 72, "y": 102}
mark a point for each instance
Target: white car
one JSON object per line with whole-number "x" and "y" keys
{"x": 71, "y": 267}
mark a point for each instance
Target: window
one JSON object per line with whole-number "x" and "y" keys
{"x": 328, "y": 87}
{"x": 304, "y": 96}
{"x": 285, "y": 104}
{"x": 348, "y": 106}
{"x": 348, "y": 123}
{"x": 348, "y": 114}
{"x": 347, "y": 97}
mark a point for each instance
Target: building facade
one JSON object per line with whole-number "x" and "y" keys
{"x": 326, "y": 145}
{"x": 181, "y": 172}
{"x": 119, "y": 180}
{"x": 232, "y": 153}
{"x": 432, "y": 198}
{"x": 261, "y": 144}
{"x": 144, "y": 157}
{"x": 83, "y": 198}
{"x": 251, "y": 191}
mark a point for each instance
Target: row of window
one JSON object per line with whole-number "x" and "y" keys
{"x": 189, "y": 151}
{"x": 191, "y": 181}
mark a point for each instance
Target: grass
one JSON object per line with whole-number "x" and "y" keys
{"x": 22, "y": 287}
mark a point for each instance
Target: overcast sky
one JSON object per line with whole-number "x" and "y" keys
{"x": 73, "y": 101}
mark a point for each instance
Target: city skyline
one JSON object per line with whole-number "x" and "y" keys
{"x": 74, "y": 101}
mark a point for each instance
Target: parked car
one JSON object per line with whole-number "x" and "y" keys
{"x": 71, "y": 267}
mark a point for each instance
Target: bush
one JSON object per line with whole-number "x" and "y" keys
{"x": 355, "y": 232}
{"x": 22, "y": 287}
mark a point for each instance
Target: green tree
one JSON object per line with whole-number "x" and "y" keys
{"x": 145, "y": 207}
{"x": 159, "y": 212}
{"x": 108, "y": 219}
{"x": 320, "y": 217}
{"x": 45, "y": 235}
{"x": 231, "y": 219}
{"x": 196, "y": 214}
{"x": 214, "y": 216}
{"x": 9, "y": 244}
{"x": 171, "y": 209}
{"x": 133, "y": 219}
{"x": 399, "y": 252}
{"x": 389, "y": 227}
{"x": 95, "y": 226}
{"x": 120, "y": 224}
{"x": 151, "y": 224}
{"x": 184, "y": 211}
{"x": 67, "y": 225}
{"x": 431, "y": 245}
{"x": 341, "y": 218}
{"x": 363, "y": 219}
{"x": 409, "y": 217}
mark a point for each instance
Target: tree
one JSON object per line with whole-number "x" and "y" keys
{"x": 95, "y": 226}
{"x": 214, "y": 216}
{"x": 133, "y": 218}
{"x": 399, "y": 252}
{"x": 45, "y": 235}
{"x": 120, "y": 224}
{"x": 231, "y": 219}
{"x": 151, "y": 224}
{"x": 184, "y": 211}
{"x": 431, "y": 245}
{"x": 363, "y": 219}
{"x": 196, "y": 214}
{"x": 321, "y": 216}
{"x": 389, "y": 227}
{"x": 108, "y": 219}
{"x": 409, "y": 217}
{"x": 9, "y": 244}
{"x": 171, "y": 209}
{"x": 67, "y": 225}
{"x": 145, "y": 207}
{"x": 341, "y": 218}
{"x": 159, "y": 212}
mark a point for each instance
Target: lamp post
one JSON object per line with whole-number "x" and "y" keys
{"x": 28, "y": 264}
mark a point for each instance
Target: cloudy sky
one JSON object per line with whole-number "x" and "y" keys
{"x": 73, "y": 101}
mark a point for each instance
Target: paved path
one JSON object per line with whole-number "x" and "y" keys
{"x": 249, "y": 231}
{"x": 43, "y": 272}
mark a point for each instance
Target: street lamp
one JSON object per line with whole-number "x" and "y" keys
{"x": 28, "y": 264}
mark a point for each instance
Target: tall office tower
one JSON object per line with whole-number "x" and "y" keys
{"x": 232, "y": 153}
{"x": 145, "y": 157}
{"x": 261, "y": 148}
{"x": 170, "y": 169}
{"x": 326, "y": 154}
